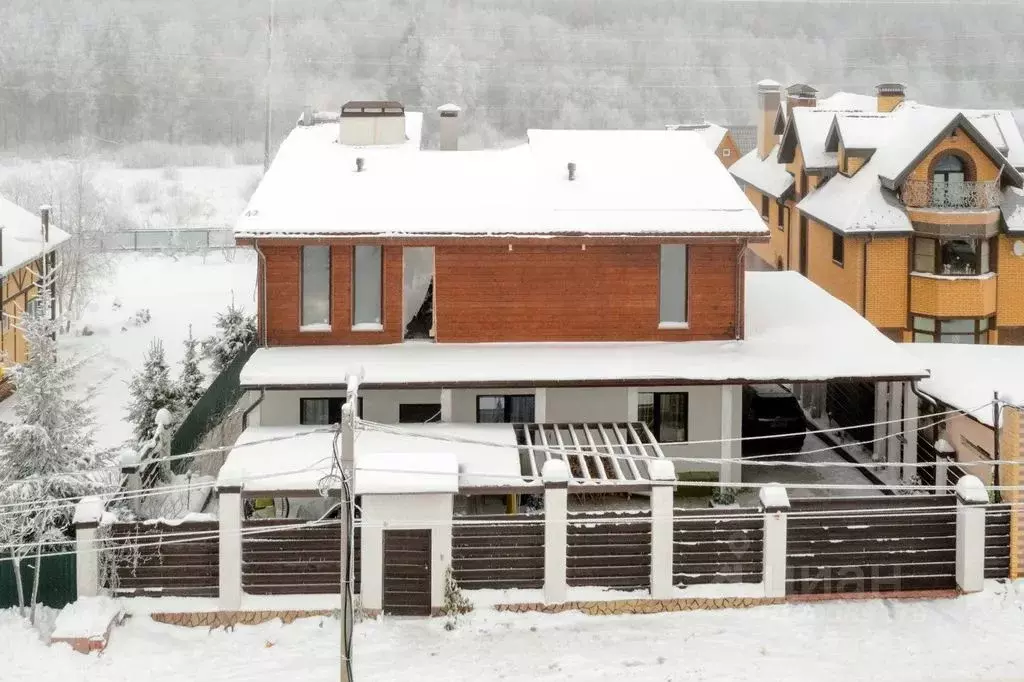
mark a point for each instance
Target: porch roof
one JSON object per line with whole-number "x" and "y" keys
{"x": 795, "y": 331}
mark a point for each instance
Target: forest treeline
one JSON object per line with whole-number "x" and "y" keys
{"x": 112, "y": 72}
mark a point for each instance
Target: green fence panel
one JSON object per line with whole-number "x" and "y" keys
{"x": 221, "y": 395}
{"x": 57, "y": 583}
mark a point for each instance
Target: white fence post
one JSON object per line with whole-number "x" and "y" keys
{"x": 663, "y": 478}
{"x": 230, "y": 561}
{"x": 944, "y": 452}
{"x": 556, "y": 511}
{"x": 774, "y": 505}
{"x": 971, "y": 498}
{"x": 88, "y": 513}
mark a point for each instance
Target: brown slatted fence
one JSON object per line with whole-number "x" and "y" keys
{"x": 609, "y": 549}
{"x": 284, "y": 556}
{"x": 717, "y": 546}
{"x": 997, "y": 541}
{"x": 155, "y": 559}
{"x": 878, "y": 544}
{"x": 498, "y": 551}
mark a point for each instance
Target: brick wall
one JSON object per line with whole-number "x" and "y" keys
{"x": 1011, "y": 447}
{"x": 284, "y": 301}
{"x": 888, "y": 267}
{"x": 842, "y": 281}
{"x": 1010, "y": 284}
{"x": 563, "y": 293}
{"x": 536, "y": 292}
{"x": 773, "y": 251}
{"x": 936, "y": 297}
{"x": 727, "y": 150}
{"x": 985, "y": 169}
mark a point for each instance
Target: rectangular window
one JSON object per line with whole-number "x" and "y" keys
{"x": 780, "y": 219}
{"x": 419, "y": 413}
{"x": 323, "y": 411}
{"x": 726, "y": 152}
{"x": 837, "y": 249}
{"x": 765, "y": 206}
{"x": 672, "y": 285}
{"x": 924, "y": 254}
{"x": 316, "y": 287}
{"x": 970, "y": 330}
{"x": 366, "y": 288}
{"x": 667, "y": 415}
{"x": 504, "y": 409}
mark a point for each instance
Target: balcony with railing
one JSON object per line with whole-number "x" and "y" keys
{"x": 962, "y": 195}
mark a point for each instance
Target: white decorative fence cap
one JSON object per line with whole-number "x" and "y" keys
{"x": 971, "y": 490}
{"x": 555, "y": 471}
{"x": 88, "y": 510}
{"x": 661, "y": 470}
{"x": 774, "y": 496}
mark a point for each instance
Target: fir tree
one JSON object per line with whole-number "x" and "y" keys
{"x": 150, "y": 390}
{"x": 190, "y": 383}
{"x": 48, "y": 453}
{"x": 236, "y": 331}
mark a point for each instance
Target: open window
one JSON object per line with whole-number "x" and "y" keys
{"x": 418, "y": 292}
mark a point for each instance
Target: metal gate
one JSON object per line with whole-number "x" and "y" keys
{"x": 406, "y": 573}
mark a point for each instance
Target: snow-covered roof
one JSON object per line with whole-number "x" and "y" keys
{"x": 767, "y": 174}
{"x": 857, "y": 205}
{"x": 711, "y": 133}
{"x": 405, "y": 472}
{"x": 795, "y": 331}
{"x": 23, "y": 237}
{"x": 863, "y": 131}
{"x": 812, "y": 126}
{"x": 627, "y": 182}
{"x": 263, "y": 460}
{"x": 848, "y": 101}
{"x": 966, "y": 376}
{"x": 1012, "y": 208}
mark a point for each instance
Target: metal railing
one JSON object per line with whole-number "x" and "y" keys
{"x": 178, "y": 239}
{"x": 963, "y": 195}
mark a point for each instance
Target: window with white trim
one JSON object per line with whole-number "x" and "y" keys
{"x": 316, "y": 287}
{"x": 366, "y": 288}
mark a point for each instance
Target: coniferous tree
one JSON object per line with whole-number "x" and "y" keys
{"x": 190, "y": 383}
{"x": 236, "y": 331}
{"x": 150, "y": 390}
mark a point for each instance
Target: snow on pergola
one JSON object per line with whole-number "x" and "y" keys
{"x": 602, "y": 453}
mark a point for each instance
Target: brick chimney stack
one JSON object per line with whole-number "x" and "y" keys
{"x": 769, "y": 96}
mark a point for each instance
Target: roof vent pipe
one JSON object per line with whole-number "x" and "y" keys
{"x": 572, "y": 170}
{"x": 360, "y": 164}
{"x": 44, "y": 214}
{"x": 307, "y": 115}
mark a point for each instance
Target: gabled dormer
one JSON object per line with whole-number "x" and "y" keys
{"x": 854, "y": 138}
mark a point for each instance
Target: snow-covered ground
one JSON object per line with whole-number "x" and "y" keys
{"x": 968, "y": 638}
{"x": 178, "y": 291}
{"x": 160, "y": 198}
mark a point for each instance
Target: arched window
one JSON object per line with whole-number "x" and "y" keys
{"x": 948, "y": 178}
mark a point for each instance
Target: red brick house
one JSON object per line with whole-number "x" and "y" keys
{"x": 581, "y": 277}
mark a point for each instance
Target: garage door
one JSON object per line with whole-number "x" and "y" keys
{"x": 407, "y": 572}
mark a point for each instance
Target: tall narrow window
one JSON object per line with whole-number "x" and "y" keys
{"x": 323, "y": 411}
{"x": 316, "y": 287}
{"x": 366, "y": 285}
{"x": 837, "y": 249}
{"x": 672, "y": 285}
{"x": 781, "y": 218}
{"x": 765, "y": 204}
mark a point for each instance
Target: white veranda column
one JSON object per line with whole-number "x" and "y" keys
{"x": 663, "y": 478}
{"x": 910, "y": 431}
{"x": 446, "y": 405}
{"x": 894, "y": 429}
{"x": 229, "y": 511}
{"x": 731, "y": 430}
{"x": 881, "y": 412}
{"x": 556, "y": 512}
{"x": 540, "y": 405}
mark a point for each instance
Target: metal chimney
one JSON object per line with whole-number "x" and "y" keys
{"x": 449, "y": 126}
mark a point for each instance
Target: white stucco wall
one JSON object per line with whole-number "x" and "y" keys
{"x": 281, "y": 408}
{"x": 401, "y": 512}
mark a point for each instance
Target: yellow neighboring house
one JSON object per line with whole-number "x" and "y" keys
{"x": 21, "y": 261}
{"x": 911, "y": 214}
{"x": 718, "y": 139}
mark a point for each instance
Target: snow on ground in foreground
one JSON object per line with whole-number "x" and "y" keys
{"x": 178, "y": 291}
{"x": 969, "y": 638}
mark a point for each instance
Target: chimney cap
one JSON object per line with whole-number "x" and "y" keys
{"x": 801, "y": 90}
{"x": 360, "y": 164}
{"x": 891, "y": 89}
{"x": 768, "y": 85}
{"x": 449, "y": 109}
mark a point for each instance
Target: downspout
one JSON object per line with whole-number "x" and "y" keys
{"x": 864, "y": 280}
{"x": 740, "y": 282}
{"x": 263, "y": 292}
{"x": 997, "y": 409}
{"x": 789, "y": 235}
{"x": 245, "y": 415}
